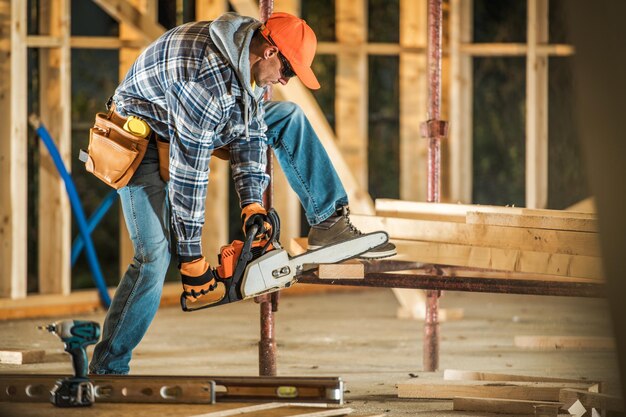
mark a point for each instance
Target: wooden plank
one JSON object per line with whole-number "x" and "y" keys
{"x": 378, "y": 48}
{"x": 461, "y": 84}
{"x": 537, "y": 222}
{"x": 588, "y": 205}
{"x": 281, "y": 410}
{"x": 458, "y": 212}
{"x": 13, "y": 149}
{"x": 127, "y": 56}
{"x": 344, "y": 270}
{"x": 514, "y": 260}
{"x": 351, "y": 99}
{"x": 55, "y": 223}
{"x": 506, "y": 406}
{"x": 413, "y": 93}
{"x": 215, "y": 233}
{"x": 21, "y": 356}
{"x": 455, "y": 375}
{"x": 537, "y": 107}
{"x": 514, "y": 49}
{"x": 565, "y": 342}
{"x": 538, "y": 240}
{"x": 592, "y": 399}
{"x": 539, "y": 391}
{"x": 129, "y": 13}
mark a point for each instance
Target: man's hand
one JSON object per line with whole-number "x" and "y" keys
{"x": 197, "y": 278}
{"x": 255, "y": 214}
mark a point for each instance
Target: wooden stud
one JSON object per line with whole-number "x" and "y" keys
{"x": 413, "y": 93}
{"x": 537, "y": 107}
{"x": 514, "y": 49}
{"x": 129, "y": 31}
{"x": 21, "y": 356}
{"x": 461, "y": 82}
{"x": 351, "y": 100}
{"x": 506, "y": 406}
{"x": 133, "y": 15}
{"x": 537, "y": 240}
{"x": 55, "y": 222}
{"x": 210, "y": 9}
{"x": 538, "y": 391}
{"x": 13, "y": 149}
{"x": 592, "y": 399}
{"x": 565, "y": 342}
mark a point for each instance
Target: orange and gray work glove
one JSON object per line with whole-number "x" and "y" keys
{"x": 256, "y": 214}
{"x": 197, "y": 277}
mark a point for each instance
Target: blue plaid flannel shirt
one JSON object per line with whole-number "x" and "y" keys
{"x": 190, "y": 96}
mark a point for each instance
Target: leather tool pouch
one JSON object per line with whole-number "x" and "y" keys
{"x": 163, "y": 148}
{"x": 114, "y": 154}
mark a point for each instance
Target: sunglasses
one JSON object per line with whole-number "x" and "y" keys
{"x": 286, "y": 71}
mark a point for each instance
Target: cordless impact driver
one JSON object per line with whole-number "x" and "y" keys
{"x": 76, "y": 391}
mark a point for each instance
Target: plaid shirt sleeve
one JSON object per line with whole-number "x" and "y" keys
{"x": 193, "y": 117}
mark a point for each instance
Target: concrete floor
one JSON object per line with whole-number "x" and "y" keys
{"x": 352, "y": 335}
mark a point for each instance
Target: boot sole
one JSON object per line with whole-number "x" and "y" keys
{"x": 369, "y": 255}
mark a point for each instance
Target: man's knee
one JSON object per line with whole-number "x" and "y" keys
{"x": 285, "y": 109}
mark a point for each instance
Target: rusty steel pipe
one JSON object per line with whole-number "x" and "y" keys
{"x": 434, "y": 130}
{"x": 268, "y": 304}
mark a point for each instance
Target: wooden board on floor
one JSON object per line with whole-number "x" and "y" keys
{"x": 537, "y": 391}
{"x": 506, "y": 406}
{"x": 352, "y": 269}
{"x": 21, "y": 356}
{"x": 462, "y": 375}
{"x": 565, "y": 342}
{"x": 281, "y": 410}
{"x": 591, "y": 399}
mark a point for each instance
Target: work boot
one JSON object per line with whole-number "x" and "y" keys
{"x": 338, "y": 228}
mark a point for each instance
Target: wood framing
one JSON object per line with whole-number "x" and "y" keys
{"x": 351, "y": 100}
{"x": 413, "y": 93}
{"x": 134, "y": 15}
{"x": 55, "y": 99}
{"x": 13, "y": 149}
{"x": 461, "y": 82}
{"x": 537, "y": 106}
{"x": 533, "y": 221}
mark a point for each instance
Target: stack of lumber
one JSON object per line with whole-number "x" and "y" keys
{"x": 550, "y": 242}
{"x": 513, "y": 394}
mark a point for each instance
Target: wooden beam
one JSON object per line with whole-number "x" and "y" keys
{"x": 413, "y": 93}
{"x": 461, "y": 102}
{"x": 514, "y": 49}
{"x": 458, "y": 212}
{"x": 538, "y": 240}
{"x": 21, "y": 356}
{"x": 538, "y": 391}
{"x": 129, "y": 30}
{"x": 351, "y": 99}
{"x": 55, "y": 222}
{"x": 592, "y": 399}
{"x": 506, "y": 406}
{"x": 588, "y": 205}
{"x": 533, "y": 221}
{"x": 13, "y": 149}
{"x": 532, "y": 262}
{"x": 215, "y": 232}
{"x": 128, "y": 13}
{"x": 565, "y": 342}
{"x": 537, "y": 107}
{"x": 378, "y": 48}
{"x": 456, "y": 374}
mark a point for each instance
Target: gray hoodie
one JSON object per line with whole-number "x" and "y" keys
{"x": 232, "y": 34}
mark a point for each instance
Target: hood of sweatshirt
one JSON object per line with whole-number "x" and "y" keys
{"x": 232, "y": 34}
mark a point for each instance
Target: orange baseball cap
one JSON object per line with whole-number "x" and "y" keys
{"x": 296, "y": 41}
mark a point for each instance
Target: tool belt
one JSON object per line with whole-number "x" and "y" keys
{"x": 117, "y": 147}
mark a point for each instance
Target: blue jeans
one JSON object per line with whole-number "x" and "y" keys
{"x": 146, "y": 211}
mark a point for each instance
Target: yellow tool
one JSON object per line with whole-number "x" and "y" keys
{"x": 137, "y": 127}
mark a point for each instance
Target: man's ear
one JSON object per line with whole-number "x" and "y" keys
{"x": 270, "y": 52}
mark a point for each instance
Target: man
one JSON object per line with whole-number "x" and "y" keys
{"x": 200, "y": 87}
